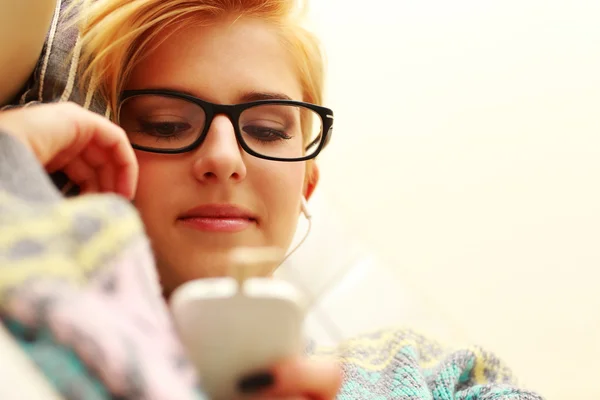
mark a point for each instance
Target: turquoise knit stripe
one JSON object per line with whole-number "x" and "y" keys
{"x": 450, "y": 374}
{"x": 489, "y": 392}
{"x": 61, "y": 366}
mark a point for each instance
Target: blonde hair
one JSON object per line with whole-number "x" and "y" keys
{"x": 117, "y": 34}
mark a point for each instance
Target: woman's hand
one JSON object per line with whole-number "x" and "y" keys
{"x": 92, "y": 151}
{"x": 299, "y": 379}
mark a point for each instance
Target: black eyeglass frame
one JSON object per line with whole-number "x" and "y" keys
{"x": 233, "y": 112}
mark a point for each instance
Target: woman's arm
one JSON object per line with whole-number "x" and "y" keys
{"x": 23, "y": 28}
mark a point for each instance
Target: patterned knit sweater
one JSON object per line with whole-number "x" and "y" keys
{"x": 79, "y": 294}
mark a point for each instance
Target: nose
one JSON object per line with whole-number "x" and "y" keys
{"x": 219, "y": 158}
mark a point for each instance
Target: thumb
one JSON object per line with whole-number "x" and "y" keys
{"x": 300, "y": 378}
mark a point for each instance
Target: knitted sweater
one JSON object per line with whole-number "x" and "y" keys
{"x": 79, "y": 294}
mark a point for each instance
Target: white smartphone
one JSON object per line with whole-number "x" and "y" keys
{"x": 232, "y": 329}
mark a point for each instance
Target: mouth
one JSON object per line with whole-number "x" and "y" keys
{"x": 218, "y": 218}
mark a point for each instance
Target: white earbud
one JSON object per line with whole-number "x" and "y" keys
{"x": 305, "y": 211}
{"x": 308, "y": 216}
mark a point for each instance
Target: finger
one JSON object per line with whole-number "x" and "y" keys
{"x": 318, "y": 380}
{"x": 95, "y": 156}
{"x": 78, "y": 136}
{"x": 83, "y": 175}
{"x": 71, "y": 137}
{"x": 113, "y": 140}
{"x": 91, "y": 186}
{"x": 79, "y": 171}
{"x": 311, "y": 379}
{"x": 127, "y": 169}
{"x": 62, "y": 159}
{"x": 123, "y": 158}
{"x": 107, "y": 179}
{"x": 102, "y": 163}
{"x": 127, "y": 179}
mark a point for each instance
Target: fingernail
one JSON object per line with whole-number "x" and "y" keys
{"x": 256, "y": 383}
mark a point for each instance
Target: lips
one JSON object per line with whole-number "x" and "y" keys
{"x": 218, "y": 218}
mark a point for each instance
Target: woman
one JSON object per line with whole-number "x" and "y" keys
{"x": 206, "y": 177}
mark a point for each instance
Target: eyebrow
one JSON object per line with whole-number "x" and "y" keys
{"x": 255, "y": 96}
{"x": 245, "y": 97}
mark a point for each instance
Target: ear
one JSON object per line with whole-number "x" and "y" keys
{"x": 312, "y": 179}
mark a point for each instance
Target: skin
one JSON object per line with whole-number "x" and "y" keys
{"x": 223, "y": 63}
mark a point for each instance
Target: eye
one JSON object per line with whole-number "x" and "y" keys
{"x": 164, "y": 129}
{"x": 265, "y": 133}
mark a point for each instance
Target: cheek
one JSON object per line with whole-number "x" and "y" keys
{"x": 154, "y": 177}
{"x": 280, "y": 188}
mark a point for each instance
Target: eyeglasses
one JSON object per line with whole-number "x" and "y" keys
{"x": 169, "y": 122}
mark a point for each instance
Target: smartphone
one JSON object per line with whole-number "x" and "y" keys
{"x": 231, "y": 329}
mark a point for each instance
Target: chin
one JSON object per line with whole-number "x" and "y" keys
{"x": 178, "y": 264}
{"x": 205, "y": 264}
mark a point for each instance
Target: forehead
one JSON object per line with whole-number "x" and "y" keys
{"x": 221, "y": 62}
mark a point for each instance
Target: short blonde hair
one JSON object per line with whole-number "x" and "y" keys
{"x": 116, "y": 34}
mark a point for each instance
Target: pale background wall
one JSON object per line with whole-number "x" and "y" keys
{"x": 466, "y": 163}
